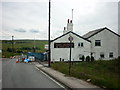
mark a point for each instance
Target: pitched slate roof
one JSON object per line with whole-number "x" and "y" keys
{"x": 94, "y": 32}
{"x": 72, "y": 33}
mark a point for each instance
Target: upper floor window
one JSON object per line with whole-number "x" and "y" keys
{"x": 80, "y": 44}
{"x": 97, "y": 42}
{"x": 111, "y": 54}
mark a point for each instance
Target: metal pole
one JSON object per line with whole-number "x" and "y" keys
{"x": 12, "y": 44}
{"x": 34, "y": 43}
{"x": 70, "y": 58}
{"x": 49, "y": 36}
{"x": 72, "y": 15}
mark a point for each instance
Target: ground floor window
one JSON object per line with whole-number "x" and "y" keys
{"x": 102, "y": 55}
{"x": 111, "y": 55}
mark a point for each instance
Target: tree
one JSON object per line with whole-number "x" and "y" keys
{"x": 9, "y": 50}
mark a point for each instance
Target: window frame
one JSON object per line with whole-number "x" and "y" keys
{"x": 102, "y": 53}
{"x": 80, "y": 44}
{"x": 97, "y": 42}
{"x": 111, "y": 53}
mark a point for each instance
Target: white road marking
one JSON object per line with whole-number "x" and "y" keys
{"x": 37, "y": 68}
{"x": 51, "y": 78}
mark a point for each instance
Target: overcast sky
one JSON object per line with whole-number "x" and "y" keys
{"x": 28, "y": 19}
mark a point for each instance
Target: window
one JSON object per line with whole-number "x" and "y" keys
{"x": 111, "y": 54}
{"x": 80, "y": 44}
{"x": 97, "y": 42}
{"x": 102, "y": 55}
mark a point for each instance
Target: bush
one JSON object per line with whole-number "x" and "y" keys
{"x": 92, "y": 59}
{"x": 83, "y": 58}
{"x": 9, "y": 50}
{"x": 88, "y": 58}
{"x": 119, "y": 57}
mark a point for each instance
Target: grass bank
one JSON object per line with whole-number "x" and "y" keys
{"x": 102, "y": 73}
{"x": 21, "y": 45}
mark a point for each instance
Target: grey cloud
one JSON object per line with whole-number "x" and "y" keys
{"x": 20, "y": 30}
{"x": 105, "y": 15}
{"x": 34, "y": 31}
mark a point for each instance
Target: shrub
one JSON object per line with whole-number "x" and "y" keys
{"x": 9, "y": 50}
{"x": 92, "y": 58}
{"x": 83, "y": 58}
{"x": 88, "y": 58}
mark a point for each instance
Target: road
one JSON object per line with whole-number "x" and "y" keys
{"x": 0, "y": 73}
{"x": 24, "y": 75}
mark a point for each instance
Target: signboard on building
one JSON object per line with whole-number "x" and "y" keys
{"x": 63, "y": 45}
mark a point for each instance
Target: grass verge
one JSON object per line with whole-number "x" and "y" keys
{"x": 102, "y": 73}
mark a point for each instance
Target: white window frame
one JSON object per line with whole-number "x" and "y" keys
{"x": 98, "y": 41}
{"x": 112, "y": 54}
{"x": 102, "y": 53}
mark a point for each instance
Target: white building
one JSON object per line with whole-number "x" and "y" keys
{"x": 101, "y": 44}
{"x": 104, "y": 43}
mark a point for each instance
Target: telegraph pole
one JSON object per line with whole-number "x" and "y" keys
{"x": 49, "y": 51}
{"x": 12, "y": 44}
{"x": 70, "y": 39}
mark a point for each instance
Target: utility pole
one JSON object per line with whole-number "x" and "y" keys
{"x": 34, "y": 44}
{"x": 49, "y": 51}
{"x": 12, "y": 44}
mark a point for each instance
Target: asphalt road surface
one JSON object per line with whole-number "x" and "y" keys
{"x": 0, "y": 73}
{"x": 24, "y": 75}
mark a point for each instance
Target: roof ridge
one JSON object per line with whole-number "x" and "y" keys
{"x": 73, "y": 33}
{"x": 92, "y": 33}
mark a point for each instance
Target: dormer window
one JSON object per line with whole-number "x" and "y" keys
{"x": 97, "y": 42}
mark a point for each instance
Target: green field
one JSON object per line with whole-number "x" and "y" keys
{"x": 22, "y": 46}
{"x": 102, "y": 73}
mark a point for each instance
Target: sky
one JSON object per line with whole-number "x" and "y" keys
{"x": 28, "y": 19}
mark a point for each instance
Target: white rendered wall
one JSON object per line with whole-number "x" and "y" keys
{"x": 109, "y": 43}
{"x": 64, "y": 53}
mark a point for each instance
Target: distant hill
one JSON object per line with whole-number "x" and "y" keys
{"x": 22, "y": 46}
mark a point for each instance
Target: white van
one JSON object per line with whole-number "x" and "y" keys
{"x": 31, "y": 58}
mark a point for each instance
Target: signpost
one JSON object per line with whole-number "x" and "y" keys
{"x": 70, "y": 39}
{"x": 49, "y": 58}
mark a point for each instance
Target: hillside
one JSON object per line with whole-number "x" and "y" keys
{"x": 22, "y": 46}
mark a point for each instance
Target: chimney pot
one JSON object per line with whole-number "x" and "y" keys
{"x": 68, "y": 20}
{"x": 64, "y": 28}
